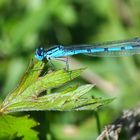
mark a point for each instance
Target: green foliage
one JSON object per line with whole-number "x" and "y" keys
{"x": 11, "y": 127}
{"x": 26, "y": 97}
{"x": 27, "y": 24}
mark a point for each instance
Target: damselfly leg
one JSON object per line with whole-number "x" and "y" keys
{"x": 65, "y": 60}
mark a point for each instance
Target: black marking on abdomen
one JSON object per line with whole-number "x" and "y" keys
{"x": 123, "y": 48}
{"x": 89, "y": 50}
{"x": 106, "y": 49}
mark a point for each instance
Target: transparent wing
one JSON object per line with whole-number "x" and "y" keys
{"x": 108, "y": 44}
{"x": 115, "y": 53}
{"x": 111, "y": 49}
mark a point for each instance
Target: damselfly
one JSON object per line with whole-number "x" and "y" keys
{"x": 107, "y": 49}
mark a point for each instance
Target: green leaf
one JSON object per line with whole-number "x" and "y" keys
{"x": 70, "y": 101}
{"x": 30, "y": 76}
{"x": 51, "y": 80}
{"x": 27, "y": 96}
{"x": 11, "y": 126}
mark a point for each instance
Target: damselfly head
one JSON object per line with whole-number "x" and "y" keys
{"x": 40, "y": 53}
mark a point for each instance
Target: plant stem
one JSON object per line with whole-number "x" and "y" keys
{"x": 98, "y": 122}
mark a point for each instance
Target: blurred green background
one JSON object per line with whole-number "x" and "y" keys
{"x": 27, "y": 24}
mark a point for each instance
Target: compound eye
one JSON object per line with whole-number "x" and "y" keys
{"x": 40, "y": 51}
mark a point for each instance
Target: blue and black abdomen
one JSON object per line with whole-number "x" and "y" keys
{"x": 112, "y": 49}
